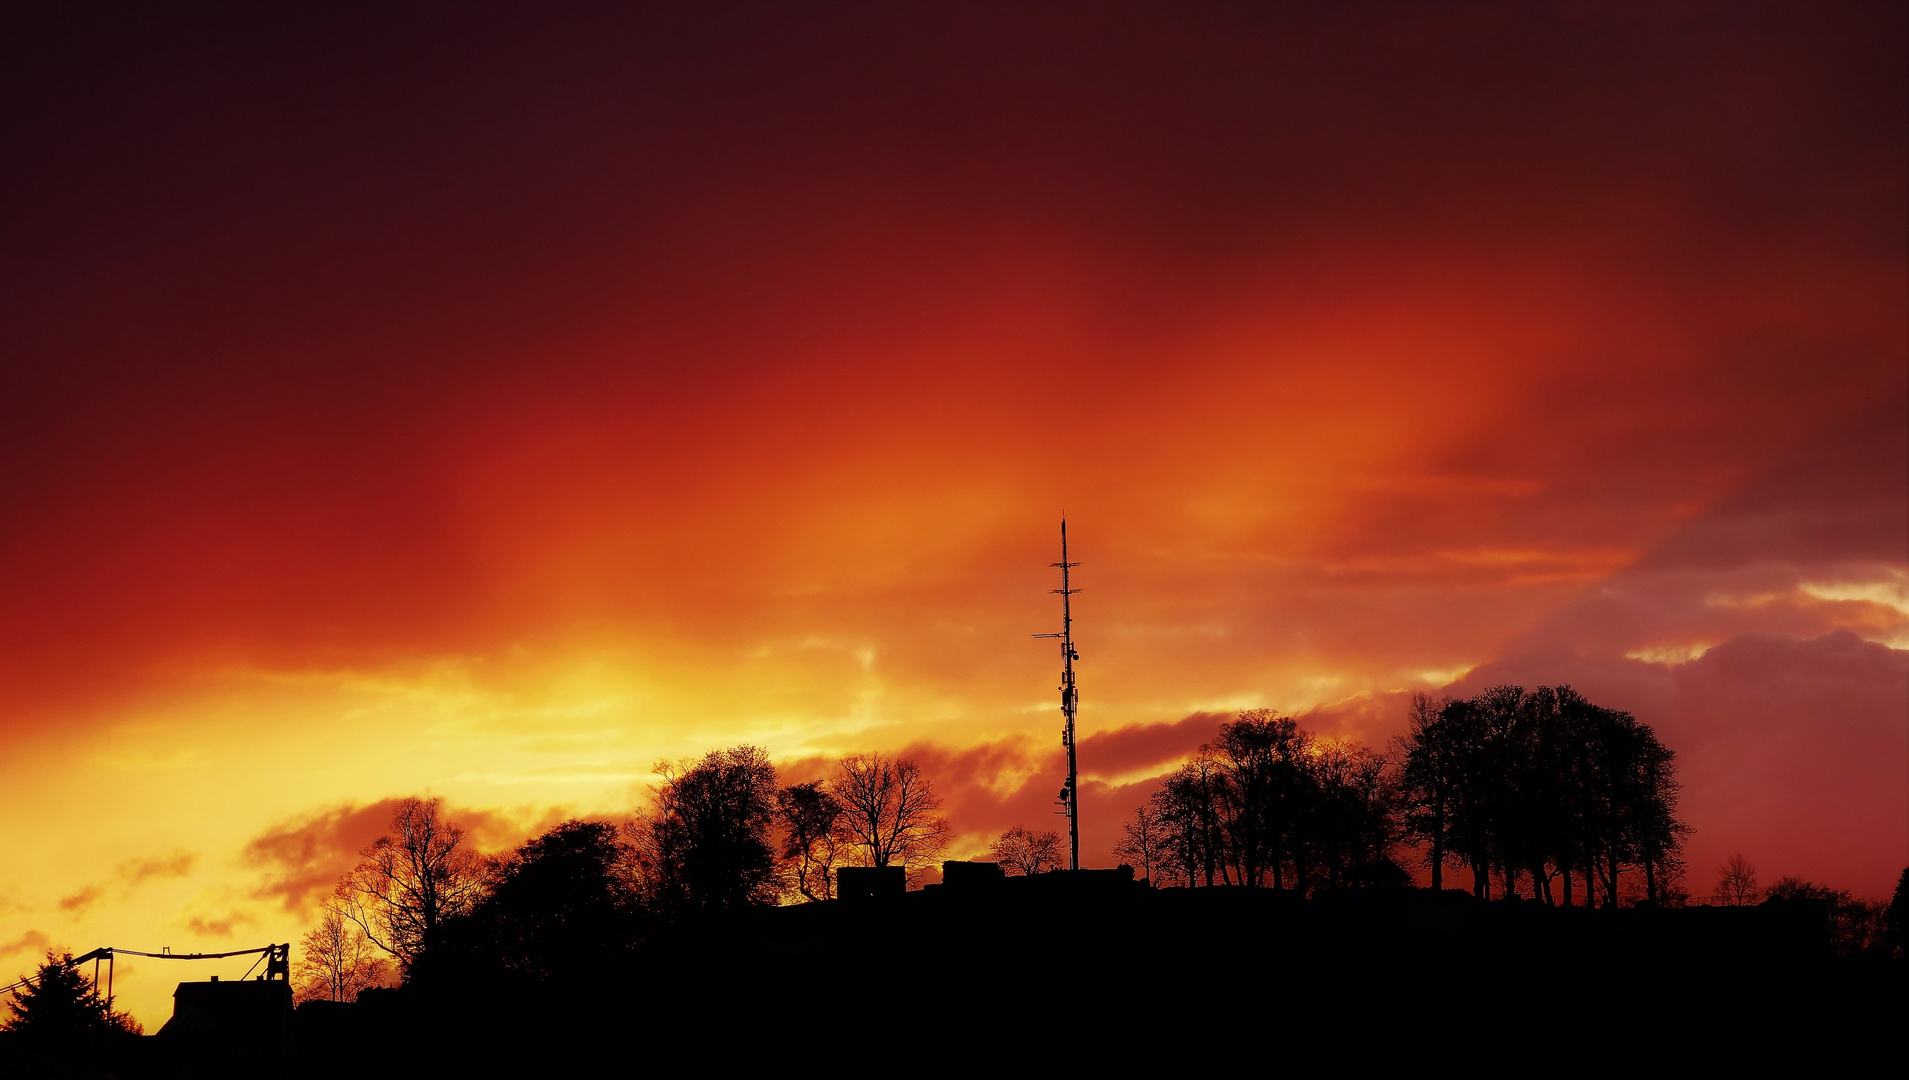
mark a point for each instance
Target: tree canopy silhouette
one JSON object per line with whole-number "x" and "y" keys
{"x": 1524, "y": 786}
{"x": 1024, "y": 851}
{"x": 1267, "y": 803}
{"x": 1541, "y": 785}
{"x": 1187, "y": 807}
{"x": 62, "y": 1009}
{"x": 559, "y": 907}
{"x": 1857, "y": 927}
{"x": 704, "y": 842}
{"x": 1896, "y": 919}
{"x": 810, "y": 819}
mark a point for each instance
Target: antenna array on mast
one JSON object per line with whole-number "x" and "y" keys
{"x": 1070, "y": 704}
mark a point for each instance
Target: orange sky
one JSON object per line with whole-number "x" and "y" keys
{"x": 491, "y": 405}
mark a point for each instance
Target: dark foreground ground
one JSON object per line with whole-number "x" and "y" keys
{"x": 1032, "y": 972}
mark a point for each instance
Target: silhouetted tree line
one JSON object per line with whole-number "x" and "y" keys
{"x": 1539, "y": 790}
{"x": 1530, "y": 789}
{"x": 1267, "y": 803}
{"x": 1541, "y": 786}
{"x": 1858, "y": 928}
{"x": 1539, "y": 793}
{"x": 717, "y": 834}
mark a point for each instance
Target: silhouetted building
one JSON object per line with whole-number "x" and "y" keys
{"x": 230, "y": 1028}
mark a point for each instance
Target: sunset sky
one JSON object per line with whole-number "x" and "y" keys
{"x": 492, "y": 401}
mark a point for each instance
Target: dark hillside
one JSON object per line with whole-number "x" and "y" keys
{"x": 1102, "y": 962}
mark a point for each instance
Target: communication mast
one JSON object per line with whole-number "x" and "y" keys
{"x": 1070, "y": 705}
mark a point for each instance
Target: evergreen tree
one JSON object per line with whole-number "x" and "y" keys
{"x": 61, "y": 1007}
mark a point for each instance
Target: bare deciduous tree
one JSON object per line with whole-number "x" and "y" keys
{"x": 1024, "y": 851}
{"x": 336, "y": 960}
{"x": 1146, "y": 842}
{"x": 1428, "y": 784}
{"x": 809, "y": 816}
{"x": 411, "y": 879}
{"x": 1737, "y": 882}
{"x": 890, "y": 813}
{"x": 1264, "y": 762}
{"x": 1353, "y": 822}
{"x": 1185, "y": 805}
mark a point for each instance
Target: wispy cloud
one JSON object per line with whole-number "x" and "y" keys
{"x": 77, "y": 902}
{"x": 218, "y": 927}
{"x": 130, "y": 874}
{"x": 32, "y": 940}
{"x": 176, "y": 865}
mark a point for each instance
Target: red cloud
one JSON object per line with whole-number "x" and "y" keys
{"x": 1138, "y": 746}
{"x": 304, "y": 858}
{"x": 1368, "y": 718}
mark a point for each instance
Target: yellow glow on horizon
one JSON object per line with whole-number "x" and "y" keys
{"x": 1670, "y": 654}
{"x": 1890, "y": 590}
